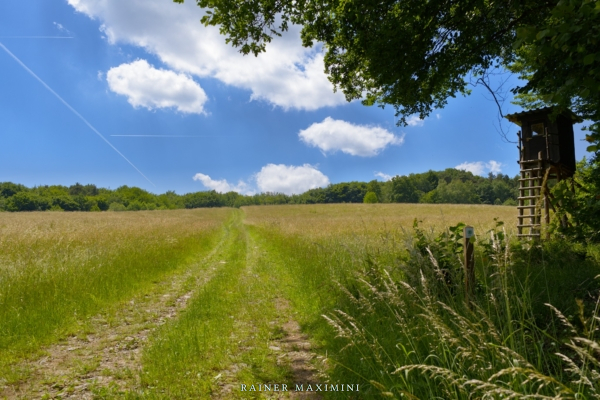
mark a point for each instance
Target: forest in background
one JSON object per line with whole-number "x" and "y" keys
{"x": 448, "y": 186}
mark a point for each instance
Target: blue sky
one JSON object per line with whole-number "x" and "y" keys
{"x": 184, "y": 111}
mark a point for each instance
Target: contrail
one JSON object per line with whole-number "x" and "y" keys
{"x": 36, "y": 37}
{"x": 164, "y": 136}
{"x": 73, "y": 110}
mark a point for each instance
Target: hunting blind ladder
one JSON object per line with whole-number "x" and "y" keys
{"x": 547, "y": 154}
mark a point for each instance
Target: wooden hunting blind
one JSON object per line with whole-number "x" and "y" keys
{"x": 547, "y": 153}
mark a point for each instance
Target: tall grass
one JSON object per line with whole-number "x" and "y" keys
{"x": 174, "y": 362}
{"x": 434, "y": 345}
{"x": 58, "y": 268}
{"x": 368, "y": 220}
{"x": 381, "y": 297}
{"x": 224, "y": 335}
{"x": 390, "y": 312}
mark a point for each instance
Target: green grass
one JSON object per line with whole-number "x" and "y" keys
{"x": 223, "y": 336}
{"x": 381, "y": 301}
{"x": 396, "y": 320}
{"x": 57, "y": 269}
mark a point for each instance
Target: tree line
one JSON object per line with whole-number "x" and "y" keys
{"x": 448, "y": 186}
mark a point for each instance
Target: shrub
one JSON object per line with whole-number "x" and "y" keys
{"x": 135, "y": 205}
{"x": 115, "y": 206}
{"x": 27, "y": 201}
{"x": 579, "y": 203}
{"x": 415, "y": 336}
{"x": 370, "y": 197}
{"x": 65, "y": 203}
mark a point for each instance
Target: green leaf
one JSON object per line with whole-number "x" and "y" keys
{"x": 541, "y": 34}
{"x": 587, "y": 60}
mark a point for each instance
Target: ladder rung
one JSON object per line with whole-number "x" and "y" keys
{"x": 530, "y": 187}
{"x": 532, "y": 178}
{"x": 528, "y": 234}
{"x": 532, "y": 170}
{"x": 529, "y": 206}
{"x": 528, "y": 197}
{"x": 529, "y": 226}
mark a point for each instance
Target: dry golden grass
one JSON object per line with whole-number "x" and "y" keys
{"x": 321, "y": 220}
{"x": 33, "y": 226}
{"x": 33, "y": 238}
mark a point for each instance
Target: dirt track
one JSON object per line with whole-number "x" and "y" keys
{"x": 103, "y": 360}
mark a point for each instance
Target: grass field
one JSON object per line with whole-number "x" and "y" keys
{"x": 57, "y": 269}
{"x": 328, "y": 220}
{"x": 213, "y": 303}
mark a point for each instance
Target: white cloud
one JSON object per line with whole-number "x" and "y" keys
{"x": 287, "y": 75}
{"x": 146, "y": 86}
{"x": 494, "y": 167}
{"x": 60, "y": 27}
{"x": 383, "y": 176}
{"x": 290, "y": 179}
{"x": 414, "y": 120}
{"x": 438, "y": 116}
{"x": 358, "y": 140}
{"x": 222, "y": 186}
{"x": 480, "y": 167}
{"x": 475, "y": 168}
{"x": 274, "y": 178}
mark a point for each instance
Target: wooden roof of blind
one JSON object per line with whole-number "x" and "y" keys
{"x": 516, "y": 117}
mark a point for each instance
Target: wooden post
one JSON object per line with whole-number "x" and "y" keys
{"x": 546, "y": 192}
{"x": 468, "y": 233}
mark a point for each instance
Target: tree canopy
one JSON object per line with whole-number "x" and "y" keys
{"x": 415, "y": 54}
{"x": 448, "y": 186}
{"x": 559, "y": 57}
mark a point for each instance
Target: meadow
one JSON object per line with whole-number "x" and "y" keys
{"x": 395, "y": 315}
{"x": 195, "y": 303}
{"x": 58, "y": 269}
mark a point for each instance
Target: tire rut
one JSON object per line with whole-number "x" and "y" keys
{"x": 292, "y": 349}
{"x": 105, "y": 353}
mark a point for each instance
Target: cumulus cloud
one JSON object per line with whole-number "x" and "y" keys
{"x": 358, "y": 140}
{"x": 287, "y": 75}
{"x": 148, "y": 87}
{"x": 222, "y": 186}
{"x": 476, "y": 168}
{"x": 414, "y": 120}
{"x": 290, "y": 179}
{"x": 480, "y": 167}
{"x": 383, "y": 176}
{"x": 494, "y": 167}
{"x": 274, "y": 178}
